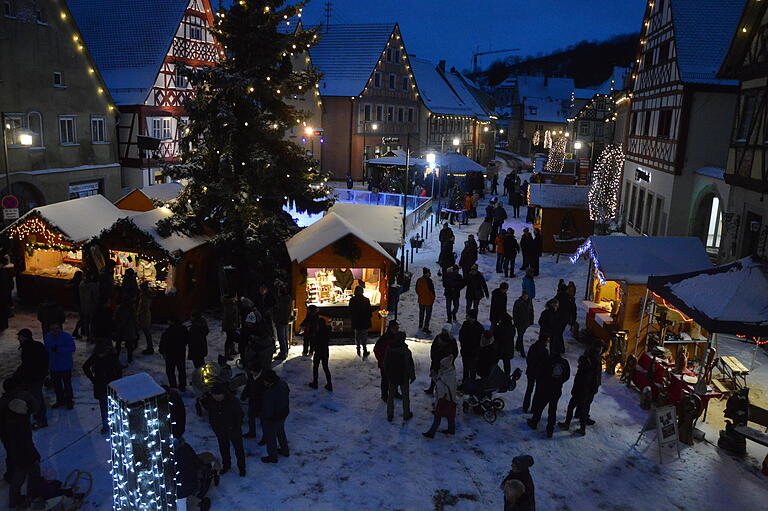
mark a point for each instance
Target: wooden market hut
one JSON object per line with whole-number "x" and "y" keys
{"x": 328, "y": 259}
{"x": 383, "y": 224}
{"x": 179, "y": 268}
{"x": 149, "y": 197}
{"x": 617, "y": 282}
{"x": 562, "y": 216}
{"x": 47, "y": 246}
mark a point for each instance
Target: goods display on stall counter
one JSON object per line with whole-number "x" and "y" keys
{"x": 336, "y": 286}
{"x": 155, "y": 273}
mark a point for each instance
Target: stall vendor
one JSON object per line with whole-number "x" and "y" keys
{"x": 344, "y": 278}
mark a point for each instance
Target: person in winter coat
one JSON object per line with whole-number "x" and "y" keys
{"x": 470, "y": 334}
{"x": 504, "y": 335}
{"x": 552, "y": 374}
{"x": 282, "y": 315}
{"x": 529, "y": 285}
{"x": 445, "y": 397}
{"x": 198, "y": 340}
{"x": 519, "y": 491}
{"x": 88, "y": 296}
{"x": 452, "y": 286}
{"x": 446, "y": 234}
{"x": 360, "y": 314}
{"x": 188, "y": 467}
{"x": 254, "y": 393}
{"x": 443, "y": 345}
{"x": 49, "y": 313}
{"x": 400, "y": 372}
{"x": 566, "y": 309}
{"x": 467, "y": 208}
{"x": 511, "y": 248}
{"x": 487, "y": 355}
{"x": 126, "y": 328}
{"x": 392, "y": 334}
{"x": 230, "y": 323}
{"x": 537, "y": 354}
{"x": 274, "y": 411}
{"x": 260, "y": 343}
{"x": 129, "y": 288}
{"x": 527, "y": 248}
{"x": 468, "y": 257}
{"x": 425, "y": 290}
{"x": 500, "y": 259}
{"x": 537, "y": 250}
{"x": 475, "y": 203}
{"x": 516, "y": 201}
{"x": 226, "y": 416}
{"x": 264, "y": 302}
{"x": 507, "y": 184}
{"x": 102, "y": 367}
{"x": 22, "y": 455}
{"x": 498, "y": 302}
{"x": 484, "y": 234}
{"x": 499, "y": 215}
{"x": 60, "y": 347}
{"x": 32, "y": 372}
{"x": 585, "y": 385}
{"x": 549, "y": 323}
{"x": 310, "y": 328}
{"x": 477, "y": 289}
{"x": 177, "y": 412}
{"x": 522, "y": 316}
{"x": 144, "y": 316}
{"x": 320, "y": 344}
{"x": 173, "y": 347}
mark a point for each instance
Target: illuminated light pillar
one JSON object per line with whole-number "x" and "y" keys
{"x": 142, "y": 464}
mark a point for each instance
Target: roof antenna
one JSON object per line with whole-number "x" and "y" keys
{"x": 328, "y": 6}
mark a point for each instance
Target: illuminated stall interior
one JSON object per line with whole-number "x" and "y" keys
{"x": 561, "y": 216}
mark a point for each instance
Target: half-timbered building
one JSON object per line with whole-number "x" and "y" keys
{"x": 746, "y": 217}
{"x": 141, "y": 48}
{"x": 680, "y": 120}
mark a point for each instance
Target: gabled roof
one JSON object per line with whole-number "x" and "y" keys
{"x": 457, "y": 163}
{"x": 128, "y": 40}
{"x": 346, "y": 55}
{"x": 146, "y": 222}
{"x": 463, "y": 89}
{"x": 546, "y": 87}
{"x": 558, "y": 196}
{"x": 290, "y": 26}
{"x": 384, "y": 224}
{"x": 325, "y": 232}
{"x": 703, "y": 33}
{"x": 546, "y": 110}
{"x": 435, "y": 91}
{"x": 742, "y": 42}
{"x": 161, "y": 192}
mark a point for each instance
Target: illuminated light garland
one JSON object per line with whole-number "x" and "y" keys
{"x": 588, "y": 249}
{"x": 556, "y": 159}
{"x": 547, "y": 140}
{"x": 668, "y": 306}
{"x": 603, "y": 199}
{"x": 36, "y": 226}
{"x": 756, "y": 340}
{"x": 536, "y": 138}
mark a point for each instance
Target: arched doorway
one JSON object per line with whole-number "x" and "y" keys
{"x": 708, "y": 223}
{"x": 28, "y": 194}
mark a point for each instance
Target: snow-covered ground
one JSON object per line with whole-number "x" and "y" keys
{"x": 346, "y": 456}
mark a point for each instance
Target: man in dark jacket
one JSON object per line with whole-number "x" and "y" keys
{"x": 499, "y": 215}
{"x": 320, "y": 345}
{"x": 446, "y": 234}
{"x": 380, "y": 351}
{"x": 177, "y": 412}
{"x": 498, "y": 302}
{"x": 504, "y": 334}
{"x": 552, "y": 374}
{"x": 282, "y": 315}
{"x": 23, "y": 458}
{"x": 468, "y": 256}
{"x": 511, "y": 248}
{"x": 49, "y": 313}
{"x": 566, "y": 309}
{"x": 537, "y": 354}
{"x": 225, "y": 417}
{"x": 537, "y": 250}
{"x": 173, "y": 347}
{"x": 443, "y": 345}
{"x": 452, "y": 286}
{"x": 264, "y": 302}
{"x": 519, "y": 491}
{"x": 522, "y": 316}
{"x": 198, "y": 340}
{"x": 549, "y": 323}
{"x": 400, "y": 372}
{"x": 469, "y": 338}
{"x": 254, "y": 392}
{"x": 360, "y": 314}
{"x": 274, "y": 411}
{"x": 527, "y": 247}
{"x": 103, "y": 367}
{"x": 33, "y": 371}
{"x": 585, "y": 385}
{"x": 477, "y": 289}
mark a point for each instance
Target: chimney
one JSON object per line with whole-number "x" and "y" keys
{"x": 441, "y": 66}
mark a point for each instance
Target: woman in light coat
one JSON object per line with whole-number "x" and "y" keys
{"x": 445, "y": 398}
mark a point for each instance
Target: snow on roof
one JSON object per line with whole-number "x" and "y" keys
{"x": 435, "y": 91}
{"x": 704, "y": 30}
{"x": 559, "y": 196}
{"x": 346, "y": 55}
{"x": 713, "y": 172}
{"x": 732, "y": 298}
{"x": 463, "y": 90}
{"x": 163, "y": 192}
{"x": 136, "y": 387}
{"x": 384, "y": 224}
{"x": 324, "y": 232}
{"x": 545, "y": 87}
{"x": 397, "y": 161}
{"x": 634, "y": 258}
{"x": 546, "y": 110}
{"x": 176, "y": 242}
{"x": 455, "y": 162}
{"x": 128, "y": 41}
{"x": 78, "y": 219}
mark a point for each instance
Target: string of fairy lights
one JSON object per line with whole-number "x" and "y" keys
{"x": 603, "y": 199}
{"x": 556, "y": 159}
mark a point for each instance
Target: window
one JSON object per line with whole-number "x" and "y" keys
{"x": 161, "y": 128}
{"x": 367, "y": 113}
{"x": 630, "y": 212}
{"x": 58, "y": 79}
{"x": 410, "y": 114}
{"x": 397, "y": 55}
{"x": 390, "y": 113}
{"x": 8, "y": 9}
{"x": 633, "y": 124}
{"x": 405, "y": 83}
{"x": 400, "y": 114}
{"x": 665, "y": 124}
{"x": 639, "y": 209}
{"x": 377, "y": 79}
{"x": 195, "y": 28}
{"x": 392, "y": 81}
{"x": 533, "y": 110}
{"x": 584, "y": 128}
{"x": 664, "y": 52}
{"x": 599, "y": 129}
{"x": 181, "y": 80}
{"x": 657, "y": 216}
{"x": 647, "y": 123}
{"x": 67, "y": 132}
{"x": 715, "y": 229}
{"x": 389, "y": 54}
{"x": 98, "y": 130}
{"x": 746, "y": 116}
{"x": 647, "y": 214}
{"x": 379, "y": 113}
{"x": 84, "y": 189}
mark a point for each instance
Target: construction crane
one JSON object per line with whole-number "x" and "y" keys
{"x": 480, "y": 53}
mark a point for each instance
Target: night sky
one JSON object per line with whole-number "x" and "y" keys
{"x": 452, "y": 29}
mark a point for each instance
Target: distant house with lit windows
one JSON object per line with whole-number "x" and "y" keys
{"x": 58, "y": 115}
{"x": 140, "y": 48}
{"x": 681, "y": 115}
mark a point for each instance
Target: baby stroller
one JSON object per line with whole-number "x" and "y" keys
{"x": 479, "y": 393}
{"x": 205, "y": 377}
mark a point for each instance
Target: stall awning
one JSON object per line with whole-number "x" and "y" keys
{"x": 558, "y": 196}
{"x": 635, "y": 258}
{"x": 728, "y": 299}
{"x": 457, "y": 163}
{"x": 324, "y": 232}
{"x": 397, "y": 161}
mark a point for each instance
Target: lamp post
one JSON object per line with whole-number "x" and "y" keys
{"x": 431, "y": 161}
{"x": 22, "y": 136}
{"x": 374, "y": 127}
{"x": 309, "y": 131}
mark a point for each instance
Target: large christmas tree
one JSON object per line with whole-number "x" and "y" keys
{"x": 240, "y": 168}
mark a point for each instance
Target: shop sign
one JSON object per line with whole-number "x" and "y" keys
{"x": 642, "y": 175}
{"x": 10, "y": 213}
{"x": 390, "y": 140}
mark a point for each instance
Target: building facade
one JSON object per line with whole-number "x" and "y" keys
{"x": 141, "y": 51}
{"x": 746, "y": 217}
{"x": 680, "y": 118}
{"x": 51, "y": 91}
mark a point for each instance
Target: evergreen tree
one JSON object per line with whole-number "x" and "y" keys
{"x": 240, "y": 168}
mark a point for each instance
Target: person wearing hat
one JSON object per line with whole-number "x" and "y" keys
{"x": 549, "y": 323}
{"x": 552, "y": 374}
{"x": 226, "y": 416}
{"x": 518, "y": 487}
{"x": 173, "y": 347}
{"x": 585, "y": 386}
{"x": 320, "y": 343}
{"x": 425, "y": 290}
{"x": 452, "y": 285}
{"x": 522, "y": 316}
{"x": 504, "y": 333}
{"x": 443, "y": 345}
{"x": 498, "y": 303}
{"x": 251, "y": 330}
{"x": 445, "y": 397}
{"x": 360, "y": 315}
{"x": 477, "y": 289}
{"x": 400, "y": 372}
{"x": 380, "y": 352}
{"x": 274, "y": 411}
{"x": 60, "y": 347}
{"x": 33, "y": 371}
{"x": 469, "y": 338}
{"x": 102, "y": 367}
{"x": 21, "y": 453}
{"x": 488, "y": 355}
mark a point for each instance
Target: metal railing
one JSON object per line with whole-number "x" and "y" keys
{"x": 379, "y": 199}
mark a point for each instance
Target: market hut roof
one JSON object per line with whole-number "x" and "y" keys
{"x": 635, "y": 258}
{"x": 323, "y": 233}
{"x": 559, "y": 196}
{"x": 78, "y": 220}
{"x": 384, "y": 224}
{"x": 457, "y": 163}
{"x": 397, "y": 161}
{"x": 730, "y": 299}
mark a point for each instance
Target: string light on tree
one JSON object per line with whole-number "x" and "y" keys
{"x": 556, "y": 158}
{"x": 603, "y": 197}
{"x": 536, "y": 137}
{"x": 547, "y": 140}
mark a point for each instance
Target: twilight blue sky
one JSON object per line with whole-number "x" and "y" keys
{"x": 452, "y": 29}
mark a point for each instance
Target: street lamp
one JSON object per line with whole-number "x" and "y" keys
{"x": 23, "y": 137}
{"x": 374, "y": 127}
{"x": 577, "y": 145}
{"x": 456, "y": 143}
